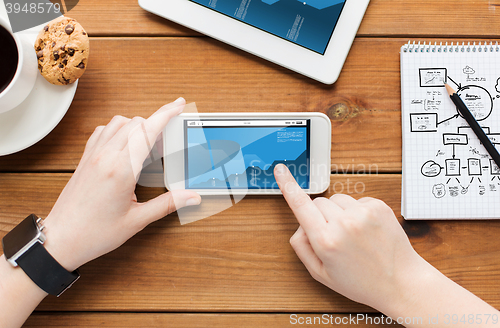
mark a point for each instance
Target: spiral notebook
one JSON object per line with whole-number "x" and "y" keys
{"x": 447, "y": 173}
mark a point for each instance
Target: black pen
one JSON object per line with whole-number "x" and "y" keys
{"x": 467, "y": 115}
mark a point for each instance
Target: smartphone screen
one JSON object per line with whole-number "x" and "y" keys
{"x": 242, "y": 153}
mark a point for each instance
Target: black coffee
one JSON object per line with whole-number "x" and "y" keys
{"x": 9, "y": 58}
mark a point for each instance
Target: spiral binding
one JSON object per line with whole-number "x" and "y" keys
{"x": 429, "y": 47}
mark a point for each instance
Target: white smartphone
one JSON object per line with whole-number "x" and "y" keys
{"x": 235, "y": 153}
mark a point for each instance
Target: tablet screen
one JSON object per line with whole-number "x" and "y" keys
{"x": 308, "y": 23}
{"x": 242, "y": 154}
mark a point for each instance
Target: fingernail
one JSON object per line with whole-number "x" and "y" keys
{"x": 179, "y": 100}
{"x": 193, "y": 201}
{"x": 280, "y": 169}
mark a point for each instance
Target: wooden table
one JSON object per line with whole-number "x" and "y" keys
{"x": 237, "y": 267}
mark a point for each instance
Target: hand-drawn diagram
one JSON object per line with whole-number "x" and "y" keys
{"x": 432, "y": 77}
{"x": 423, "y": 122}
{"x": 461, "y": 161}
{"x": 439, "y": 190}
{"x": 478, "y": 100}
{"x": 469, "y": 71}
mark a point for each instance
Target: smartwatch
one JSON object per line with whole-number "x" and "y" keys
{"x": 23, "y": 247}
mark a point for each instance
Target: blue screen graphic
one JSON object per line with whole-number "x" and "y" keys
{"x": 309, "y": 23}
{"x": 244, "y": 157}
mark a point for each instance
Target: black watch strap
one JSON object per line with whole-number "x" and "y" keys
{"x": 45, "y": 271}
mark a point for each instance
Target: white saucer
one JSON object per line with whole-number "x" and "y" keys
{"x": 38, "y": 115}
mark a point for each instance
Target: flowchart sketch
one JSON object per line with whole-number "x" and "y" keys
{"x": 474, "y": 166}
{"x": 431, "y": 169}
{"x": 423, "y": 122}
{"x": 454, "y": 139}
{"x": 447, "y": 172}
{"x": 452, "y": 167}
{"x": 495, "y": 170}
{"x": 432, "y": 77}
{"x": 478, "y": 100}
{"x": 494, "y": 138}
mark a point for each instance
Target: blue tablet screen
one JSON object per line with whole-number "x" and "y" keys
{"x": 308, "y": 23}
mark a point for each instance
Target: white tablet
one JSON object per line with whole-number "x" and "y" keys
{"x": 311, "y": 37}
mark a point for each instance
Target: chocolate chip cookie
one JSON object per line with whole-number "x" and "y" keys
{"x": 62, "y": 49}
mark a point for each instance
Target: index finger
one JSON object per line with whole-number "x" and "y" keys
{"x": 142, "y": 136}
{"x": 309, "y": 216}
{"x": 156, "y": 122}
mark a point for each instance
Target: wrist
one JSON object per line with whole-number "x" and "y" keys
{"x": 59, "y": 246}
{"x": 19, "y": 295}
{"x": 24, "y": 247}
{"x": 15, "y": 277}
{"x": 425, "y": 293}
{"x": 409, "y": 287}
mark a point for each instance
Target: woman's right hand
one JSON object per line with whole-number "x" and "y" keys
{"x": 355, "y": 247}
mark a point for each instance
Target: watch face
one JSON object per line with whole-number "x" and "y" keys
{"x": 21, "y": 235}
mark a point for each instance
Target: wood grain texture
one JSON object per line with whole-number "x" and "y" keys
{"x": 241, "y": 320}
{"x": 240, "y": 259}
{"x": 364, "y": 105}
{"x": 383, "y": 18}
{"x": 428, "y": 18}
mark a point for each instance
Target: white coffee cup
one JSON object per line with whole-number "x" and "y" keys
{"x": 27, "y": 69}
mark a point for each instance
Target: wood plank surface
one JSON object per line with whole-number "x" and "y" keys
{"x": 129, "y": 86}
{"x": 407, "y": 18}
{"x": 364, "y": 104}
{"x": 236, "y": 261}
{"x": 176, "y": 320}
{"x": 135, "y": 76}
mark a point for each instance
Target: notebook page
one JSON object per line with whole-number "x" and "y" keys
{"x": 447, "y": 173}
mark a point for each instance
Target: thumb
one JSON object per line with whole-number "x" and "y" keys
{"x": 167, "y": 203}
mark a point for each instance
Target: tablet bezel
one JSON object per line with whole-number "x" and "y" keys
{"x": 324, "y": 68}
{"x": 320, "y": 151}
